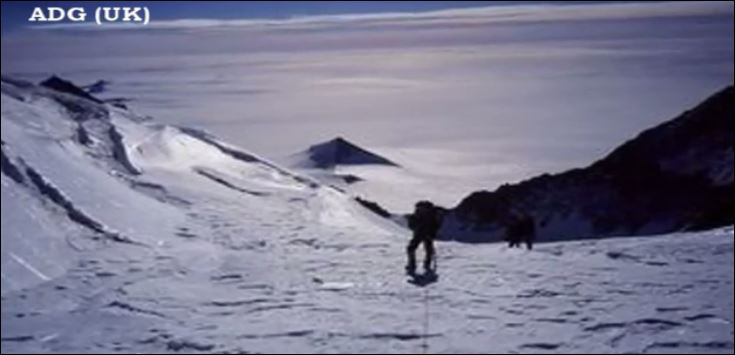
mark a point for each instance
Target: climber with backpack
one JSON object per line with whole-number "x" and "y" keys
{"x": 425, "y": 223}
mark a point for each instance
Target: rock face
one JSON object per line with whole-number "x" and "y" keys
{"x": 339, "y": 151}
{"x": 676, "y": 176}
{"x": 61, "y": 85}
{"x": 98, "y": 87}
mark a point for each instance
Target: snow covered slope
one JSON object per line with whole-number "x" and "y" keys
{"x": 308, "y": 293}
{"x": 74, "y": 168}
{"x": 120, "y": 235}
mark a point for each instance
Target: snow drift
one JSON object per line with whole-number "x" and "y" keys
{"x": 74, "y": 167}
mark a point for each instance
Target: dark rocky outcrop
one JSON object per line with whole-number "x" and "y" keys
{"x": 676, "y": 176}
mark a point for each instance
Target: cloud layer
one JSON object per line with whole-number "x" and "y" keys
{"x": 484, "y": 96}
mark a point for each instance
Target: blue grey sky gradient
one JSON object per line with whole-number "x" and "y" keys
{"x": 16, "y": 13}
{"x": 465, "y": 98}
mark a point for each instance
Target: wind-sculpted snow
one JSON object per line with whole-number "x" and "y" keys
{"x": 246, "y": 157}
{"x": 239, "y": 295}
{"x": 120, "y": 151}
{"x": 57, "y": 197}
{"x": 230, "y": 253}
{"x": 8, "y": 168}
{"x": 114, "y": 176}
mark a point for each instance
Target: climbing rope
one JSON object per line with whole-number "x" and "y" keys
{"x": 425, "y": 344}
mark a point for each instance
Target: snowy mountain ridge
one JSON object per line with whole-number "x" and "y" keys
{"x": 120, "y": 235}
{"x": 676, "y": 176}
{"x": 111, "y": 173}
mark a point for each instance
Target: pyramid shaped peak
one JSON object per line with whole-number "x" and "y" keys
{"x": 340, "y": 151}
{"x": 61, "y": 85}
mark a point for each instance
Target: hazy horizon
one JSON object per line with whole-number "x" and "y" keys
{"x": 474, "y": 96}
